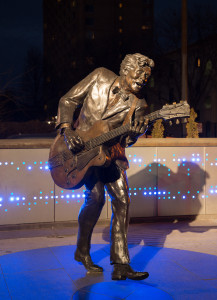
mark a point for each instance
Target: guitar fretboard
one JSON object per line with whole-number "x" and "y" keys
{"x": 108, "y": 136}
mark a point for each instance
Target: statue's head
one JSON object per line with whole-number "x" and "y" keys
{"x": 135, "y": 70}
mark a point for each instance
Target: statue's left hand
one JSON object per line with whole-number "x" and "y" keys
{"x": 138, "y": 127}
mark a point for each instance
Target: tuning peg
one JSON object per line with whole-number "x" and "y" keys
{"x": 177, "y": 121}
{"x": 174, "y": 103}
{"x": 171, "y": 123}
{"x": 184, "y": 120}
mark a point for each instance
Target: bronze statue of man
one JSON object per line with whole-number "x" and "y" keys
{"x": 103, "y": 95}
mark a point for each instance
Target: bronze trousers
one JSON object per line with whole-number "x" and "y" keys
{"x": 114, "y": 180}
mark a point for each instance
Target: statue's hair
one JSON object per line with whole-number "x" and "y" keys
{"x": 133, "y": 60}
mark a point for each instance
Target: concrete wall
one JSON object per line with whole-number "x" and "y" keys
{"x": 167, "y": 177}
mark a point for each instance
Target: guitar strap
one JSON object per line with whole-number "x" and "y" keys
{"x": 131, "y": 111}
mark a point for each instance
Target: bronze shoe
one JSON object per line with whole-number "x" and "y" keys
{"x": 122, "y": 272}
{"x": 87, "y": 262}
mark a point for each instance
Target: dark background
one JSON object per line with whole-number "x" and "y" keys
{"x": 48, "y": 46}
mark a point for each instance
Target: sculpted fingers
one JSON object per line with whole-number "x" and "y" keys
{"x": 72, "y": 140}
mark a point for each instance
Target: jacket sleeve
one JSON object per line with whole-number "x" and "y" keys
{"x": 74, "y": 99}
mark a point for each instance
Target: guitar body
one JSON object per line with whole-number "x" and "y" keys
{"x": 70, "y": 170}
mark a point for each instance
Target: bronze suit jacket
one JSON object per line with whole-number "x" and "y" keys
{"x": 91, "y": 95}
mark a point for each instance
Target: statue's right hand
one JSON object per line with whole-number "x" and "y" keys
{"x": 72, "y": 140}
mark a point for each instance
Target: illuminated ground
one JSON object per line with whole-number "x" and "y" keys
{"x": 170, "y": 252}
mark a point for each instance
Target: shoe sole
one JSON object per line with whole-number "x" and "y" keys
{"x": 131, "y": 278}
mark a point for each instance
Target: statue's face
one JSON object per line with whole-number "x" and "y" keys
{"x": 137, "y": 78}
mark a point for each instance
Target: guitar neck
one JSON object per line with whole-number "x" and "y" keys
{"x": 106, "y": 137}
{"x": 117, "y": 132}
{"x": 153, "y": 116}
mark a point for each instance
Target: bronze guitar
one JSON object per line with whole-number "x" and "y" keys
{"x": 68, "y": 170}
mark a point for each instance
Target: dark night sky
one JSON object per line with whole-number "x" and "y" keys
{"x": 21, "y": 28}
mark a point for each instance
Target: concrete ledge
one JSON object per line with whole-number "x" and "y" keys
{"x": 142, "y": 142}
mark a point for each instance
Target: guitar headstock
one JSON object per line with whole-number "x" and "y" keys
{"x": 175, "y": 110}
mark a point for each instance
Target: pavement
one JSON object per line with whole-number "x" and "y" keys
{"x": 36, "y": 262}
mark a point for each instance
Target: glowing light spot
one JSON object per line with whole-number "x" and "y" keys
{"x": 29, "y": 208}
{"x": 12, "y": 163}
{"x": 17, "y": 198}
{"x": 29, "y": 168}
{"x": 145, "y": 193}
{"x": 168, "y": 174}
{"x": 1, "y": 199}
{"x": 6, "y": 163}
{"x": 150, "y": 193}
{"x": 67, "y": 196}
{"x": 34, "y": 198}
{"x": 24, "y": 163}
{"x": 35, "y": 162}
{"x": 18, "y": 168}
{"x": 11, "y": 198}
{"x": 46, "y": 202}
{"x": 23, "y": 198}
{"x": 183, "y": 197}
{"x": 6, "y": 210}
{"x": 62, "y": 197}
